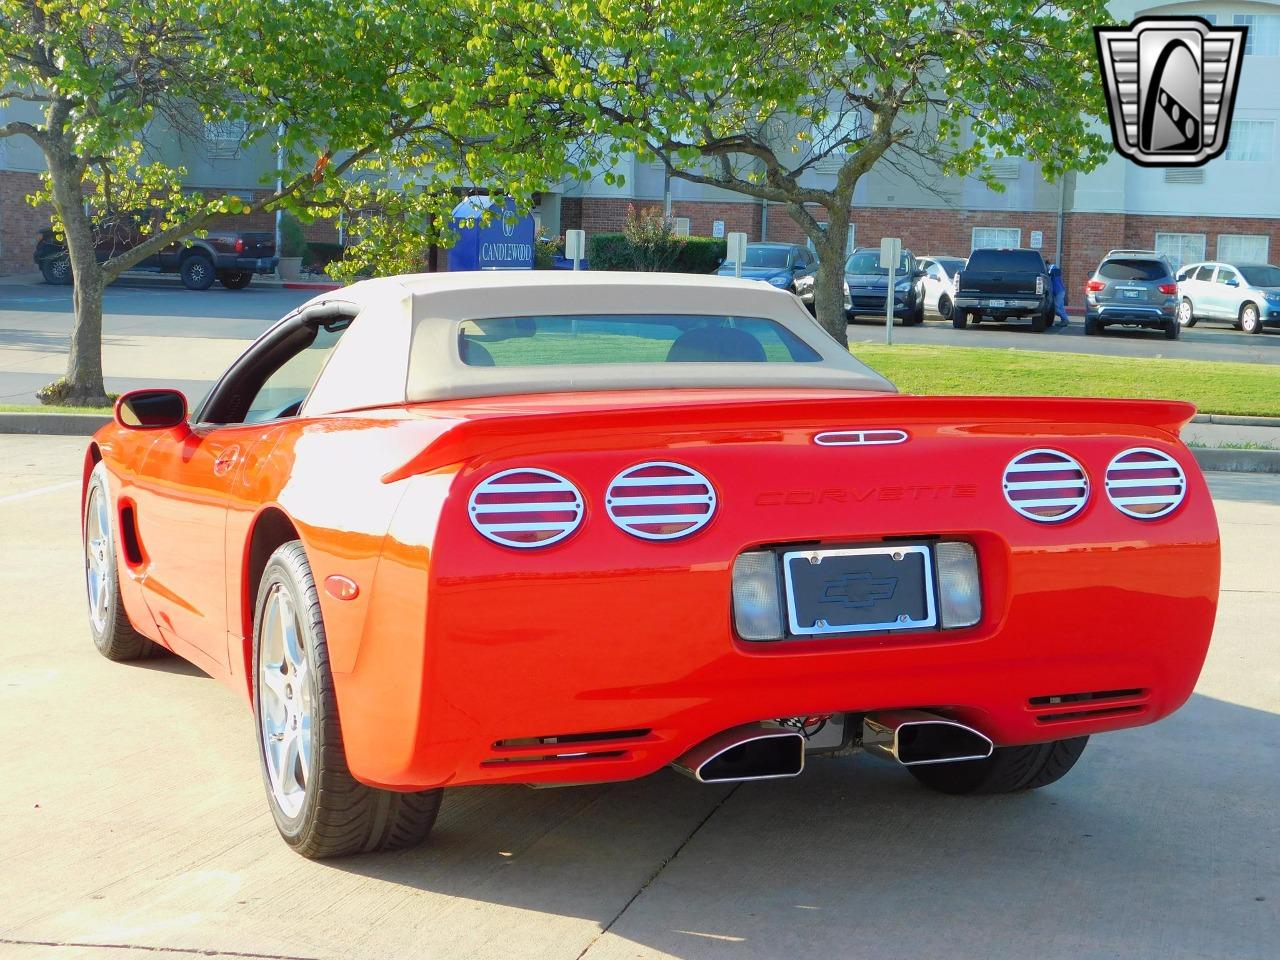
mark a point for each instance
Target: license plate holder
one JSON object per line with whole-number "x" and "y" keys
{"x": 996, "y": 303}
{"x": 1131, "y": 294}
{"x": 859, "y": 590}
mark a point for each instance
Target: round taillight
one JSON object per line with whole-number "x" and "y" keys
{"x": 1145, "y": 484}
{"x": 525, "y": 507}
{"x": 1046, "y": 486}
{"x": 660, "y": 500}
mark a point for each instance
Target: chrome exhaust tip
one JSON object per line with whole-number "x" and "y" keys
{"x": 753, "y": 751}
{"x": 914, "y": 738}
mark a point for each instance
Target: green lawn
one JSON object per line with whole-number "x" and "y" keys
{"x": 1231, "y": 388}
{"x": 41, "y": 408}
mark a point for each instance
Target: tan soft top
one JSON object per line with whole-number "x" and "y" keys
{"x": 403, "y": 346}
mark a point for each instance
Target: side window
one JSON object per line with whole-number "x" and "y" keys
{"x": 1225, "y": 275}
{"x": 284, "y": 390}
{"x": 1203, "y": 272}
{"x": 935, "y": 272}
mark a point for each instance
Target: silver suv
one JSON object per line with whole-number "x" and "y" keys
{"x": 1132, "y": 288}
{"x": 1246, "y": 295}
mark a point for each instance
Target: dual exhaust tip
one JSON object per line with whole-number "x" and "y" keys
{"x": 764, "y": 751}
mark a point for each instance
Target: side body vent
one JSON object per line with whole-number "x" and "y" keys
{"x": 1045, "y": 485}
{"x": 660, "y": 500}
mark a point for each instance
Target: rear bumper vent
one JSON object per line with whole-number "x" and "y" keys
{"x": 1097, "y": 705}
{"x": 568, "y": 747}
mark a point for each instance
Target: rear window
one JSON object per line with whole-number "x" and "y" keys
{"x": 1019, "y": 261}
{"x": 568, "y": 340}
{"x": 1132, "y": 269}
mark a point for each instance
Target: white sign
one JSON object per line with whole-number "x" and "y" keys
{"x": 736, "y": 251}
{"x": 717, "y": 228}
{"x": 575, "y": 244}
{"x": 1037, "y": 239}
{"x": 890, "y": 252}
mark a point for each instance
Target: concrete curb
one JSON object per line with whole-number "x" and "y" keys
{"x": 1230, "y": 420}
{"x": 53, "y": 424}
{"x": 87, "y": 424}
{"x": 162, "y": 280}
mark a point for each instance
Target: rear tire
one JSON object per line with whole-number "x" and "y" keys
{"x": 320, "y": 809}
{"x": 1186, "y": 313}
{"x": 197, "y": 272}
{"x": 1172, "y": 330}
{"x": 959, "y": 318}
{"x": 109, "y": 625}
{"x": 235, "y": 279}
{"x": 1039, "y": 322}
{"x": 1007, "y": 770}
{"x": 1250, "y": 319}
{"x": 1091, "y": 328}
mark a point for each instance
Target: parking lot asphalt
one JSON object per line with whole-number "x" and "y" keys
{"x": 158, "y": 335}
{"x": 133, "y": 823}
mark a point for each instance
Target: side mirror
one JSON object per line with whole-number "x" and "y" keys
{"x": 1233, "y": 283}
{"x": 917, "y": 273}
{"x": 151, "y": 410}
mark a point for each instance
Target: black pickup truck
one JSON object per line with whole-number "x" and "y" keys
{"x": 230, "y": 257}
{"x": 1001, "y": 285}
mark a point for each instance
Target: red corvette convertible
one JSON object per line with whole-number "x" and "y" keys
{"x": 566, "y": 528}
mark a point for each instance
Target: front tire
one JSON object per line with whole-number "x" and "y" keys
{"x": 109, "y": 625}
{"x": 1007, "y": 770}
{"x": 197, "y": 272}
{"x": 916, "y": 316}
{"x": 235, "y": 279}
{"x": 320, "y": 809}
{"x": 944, "y": 307}
{"x": 1250, "y": 319}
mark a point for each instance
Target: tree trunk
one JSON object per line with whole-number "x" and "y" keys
{"x": 83, "y": 386}
{"x": 828, "y": 285}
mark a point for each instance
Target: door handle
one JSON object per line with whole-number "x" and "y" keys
{"x": 225, "y": 461}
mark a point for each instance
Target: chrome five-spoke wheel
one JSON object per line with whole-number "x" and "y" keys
{"x": 97, "y": 554}
{"x": 285, "y": 703}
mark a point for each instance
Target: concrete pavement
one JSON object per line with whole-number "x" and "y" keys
{"x": 133, "y": 824}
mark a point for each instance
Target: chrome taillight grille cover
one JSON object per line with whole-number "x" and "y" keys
{"x": 1145, "y": 484}
{"x": 1046, "y": 486}
{"x": 660, "y": 500}
{"x": 525, "y": 507}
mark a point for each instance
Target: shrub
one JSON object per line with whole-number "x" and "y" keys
{"x": 654, "y": 245}
{"x": 545, "y": 251}
{"x": 292, "y": 242}
{"x": 613, "y": 251}
{"x": 320, "y": 254}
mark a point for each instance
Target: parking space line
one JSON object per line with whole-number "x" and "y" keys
{"x": 39, "y": 491}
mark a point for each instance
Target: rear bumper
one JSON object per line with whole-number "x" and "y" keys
{"x": 231, "y": 261}
{"x": 1008, "y": 306}
{"x": 1140, "y": 315}
{"x": 631, "y": 654}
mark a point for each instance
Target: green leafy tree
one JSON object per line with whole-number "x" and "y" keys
{"x": 759, "y": 96}
{"x": 373, "y": 105}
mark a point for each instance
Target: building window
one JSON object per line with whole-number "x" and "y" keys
{"x": 680, "y": 226}
{"x": 1243, "y": 247}
{"x": 1252, "y": 140}
{"x": 1181, "y": 248}
{"x": 1263, "y": 38}
{"x": 224, "y": 137}
{"x": 987, "y": 238}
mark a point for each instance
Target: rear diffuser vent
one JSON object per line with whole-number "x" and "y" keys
{"x": 525, "y": 508}
{"x": 1046, "y": 486}
{"x": 1098, "y": 705}
{"x": 660, "y": 500}
{"x": 1145, "y": 484}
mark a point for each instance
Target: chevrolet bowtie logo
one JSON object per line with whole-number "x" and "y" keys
{"x": 859, "y": 590}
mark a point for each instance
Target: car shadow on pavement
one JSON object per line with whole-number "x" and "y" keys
{"x": 1161, "y": 835}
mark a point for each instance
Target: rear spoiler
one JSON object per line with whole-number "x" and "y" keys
{"x": 510, "y": 429}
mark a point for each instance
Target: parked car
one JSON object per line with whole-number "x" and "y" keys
{"x": 804, "y": 290}
{"x": 938, "y": 283}
{"x": 869, "y": 286}
{"x": 1003, "y": 284}
{"x": 230, "y": 257}
{"x": 778, "y": 264}
{"x": 549, "y": 527}
{"x": 1132, "y": 288}
{"x": 1246, "y": 295}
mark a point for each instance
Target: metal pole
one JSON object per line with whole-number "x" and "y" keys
{"x": 888, "y": 306}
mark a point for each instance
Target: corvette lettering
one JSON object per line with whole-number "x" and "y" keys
{"x": 800, "y": 498}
